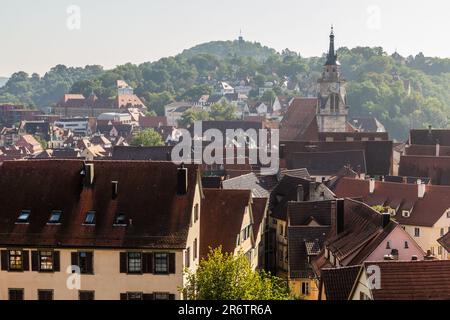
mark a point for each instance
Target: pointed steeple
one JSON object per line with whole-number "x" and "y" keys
{"x": 332, "y": 56}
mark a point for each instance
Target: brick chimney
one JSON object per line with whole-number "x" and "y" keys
{"x": 182, "y": 180}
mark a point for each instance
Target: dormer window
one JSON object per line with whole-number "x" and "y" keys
{"x": 90, "y": 217}
{"x": 120, "y": 219}
{"x": 388, "y": 245}
{"x": 391, "y": 212}
{"x": 24, "y": 216}
{"x": 55, "y": 217}
{"x": 406, "y": 214}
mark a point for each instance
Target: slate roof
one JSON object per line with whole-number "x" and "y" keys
{"x": 141, "y": 153}
{"x": 328, "y": 163}
{"x": 378, "y": 154}
{"x": 425, "y": 212}
{"x": 301, "y": 213}
{"x": 338, "y": 282}
{"x": 301, "y": 239}
{"x": 156, "y": 216}
{"x": 430, "y": 137}
{"x": 259, "y": 185}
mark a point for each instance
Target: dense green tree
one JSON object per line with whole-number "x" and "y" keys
{"x": 223, "y": 276}
{"x": 192, "y": 115}
{"x": 223, "y": 111}
{"x": 147, "y": 138}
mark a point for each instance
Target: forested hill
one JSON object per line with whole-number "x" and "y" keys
{"x": 377, "y": 82}
{"x": 3, "y": 81}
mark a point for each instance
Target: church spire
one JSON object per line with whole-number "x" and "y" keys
{"x": 332, "y": 56}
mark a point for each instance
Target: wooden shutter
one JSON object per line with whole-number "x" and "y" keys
{"x": 89, "y": 262}
{"x": 172, "y": 263}
{"x": 123, "y": 296}
{"x": 123, "y": 262}
{"x": 147, "y": 262}
{"x": 26, "y": 260}
{"x": 34, "y": 261}
{"x": 171, "y": 297}
{"x": 56, "y": 261}
{"x": 4, "y": 260}
{"x": 148, "y": 296}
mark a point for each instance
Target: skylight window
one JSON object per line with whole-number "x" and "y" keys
{"x": 90, "y": 217}
{"x": 120, "y": 219}
{"x": 24, "y": 216}
{"x": 55, "y": 217}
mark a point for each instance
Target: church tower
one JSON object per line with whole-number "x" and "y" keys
{"x": 332, "y": 109}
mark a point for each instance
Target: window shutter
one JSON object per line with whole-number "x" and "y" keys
{"x": 34, "y": 261}
{"x": 90, "y": 262}
{"x": 148, "y": 296}
{"x": 56, "y": 261}
{"x": 123, "y": 296}
{"x": 171, "y": 296}
{"x": 147, "y": 261}
{"x": 26, "y": 260}
{"x": 4, "y": 260}
{"x": 74, "y": 258}
{"x": 123, "y": 262}
{"x": 172, "y": 263}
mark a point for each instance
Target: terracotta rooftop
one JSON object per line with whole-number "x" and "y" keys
{"x": 413, "y": 280}
{"x": 222, "y": 214}
{"x": 424, "y": 211}
{"x": 299, "y": 122}
{"x": 337, "y": 283}
{"x": 155, "y": 215}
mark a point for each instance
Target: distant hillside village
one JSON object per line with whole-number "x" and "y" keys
{"x": 91, "y": 183}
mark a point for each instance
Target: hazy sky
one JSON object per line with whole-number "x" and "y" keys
{"x": 38, "y": 34}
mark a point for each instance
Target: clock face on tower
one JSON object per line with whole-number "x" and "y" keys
{"x": 334, "y": 87}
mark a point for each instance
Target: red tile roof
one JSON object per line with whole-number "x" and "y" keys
{"x": 436, "y": 168}
{"x": 425, "y": 212}
{"x": 299, "y": 122}
{"x": 413, "y": 280}
{"x": 337, "y": 283}
{"x": 222, "y": 214}
{"x": 147, "y": 194}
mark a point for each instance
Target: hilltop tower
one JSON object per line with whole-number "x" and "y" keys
{"x": 332, "y": 109}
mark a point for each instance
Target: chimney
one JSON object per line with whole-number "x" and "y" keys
{"x": 114, "y": 189}
{"x": 339, "y": 216}
{"x": 429, "y": 256}
{"x": 300, "y": 193}
{"x": 282, "y": 149}
{"x": 438, "y": 148}
{"x": 420, "y": 189}
{"x": 88, "y": 174}
{"x": 385, "y": 219}
{"x": 429, "y": 129}
{"x": 182, "y": 180}
{"x": 371, "y": 185}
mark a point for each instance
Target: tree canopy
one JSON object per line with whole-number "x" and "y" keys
{"x": 223, "y": 276}
{"x": 147, "y": 138}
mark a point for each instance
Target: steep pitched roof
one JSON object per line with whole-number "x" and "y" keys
{"x": 304, "y": 243}
{"x": 425, "y": 211}
{"x": 338, "y": 282}
{"x": 412, "y": 280}
{"x": 259, "y": 212}
{"x": 156, "y": 216}
{"x": 222, "y": 214}
{"x": 259, "y": 185}
{"x": 445, "y": 241}
{"x": 299, "y": 122}
{"x": 301, "y": 213}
